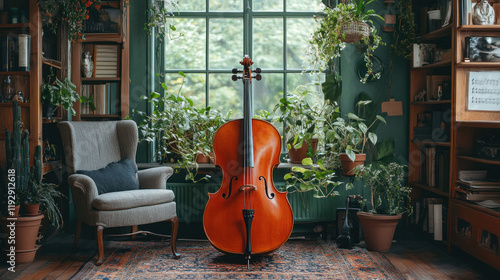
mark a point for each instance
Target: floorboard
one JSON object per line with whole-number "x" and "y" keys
{"x": 413, "y": 256}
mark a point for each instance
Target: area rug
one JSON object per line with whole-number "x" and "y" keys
{"x": 296, "y": 259}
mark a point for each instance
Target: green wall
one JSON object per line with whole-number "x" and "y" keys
{"x": 397, "y": 126}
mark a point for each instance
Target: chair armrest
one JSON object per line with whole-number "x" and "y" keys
{"x": 84, "y": 192}
{"x": 154, "y": 178}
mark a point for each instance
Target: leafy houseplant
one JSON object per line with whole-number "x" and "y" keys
{"x": 387, "y": 200}
{"x": 71, "y": 13}
{"x": 181, "y": 130}
{"x": 60, "y": 93}
{"x": 158, "y": 16}
{"x": 315, "y": 178}
{"x": 349, "y": 138}
{"x": 334, "y": 32}
{"x": 301, "y": 121}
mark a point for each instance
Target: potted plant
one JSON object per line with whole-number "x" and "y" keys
{"x": 301, "y": 122}
{"x": 346, "y": 23}
{"x": 181, "y": 130}
{"x": 387, "y": 203}
{"x": 348, "y": 139}
{"x": 60, "y": 93}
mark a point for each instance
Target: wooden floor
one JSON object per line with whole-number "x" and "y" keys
{"x": 415, "y": 257}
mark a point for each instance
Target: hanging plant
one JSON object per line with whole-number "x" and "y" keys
{"x": 158, "y": 17}
{"x": 71, "y": 13}
{"x": 346, "y": 23}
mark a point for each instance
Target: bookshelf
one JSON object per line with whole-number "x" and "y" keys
{"x": 28, "y": 82}
{"x": 108, "y": 83}
{"x": 471, "y": 227}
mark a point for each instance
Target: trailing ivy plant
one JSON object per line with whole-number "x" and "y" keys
{"x": 159, "y": 15}
{"x": 328, "y": 40}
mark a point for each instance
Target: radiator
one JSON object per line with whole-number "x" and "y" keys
{"x": 191, "y": 200}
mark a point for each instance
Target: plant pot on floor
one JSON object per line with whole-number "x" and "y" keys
{"x": 31, "y": 209}
{"x": 348, "y": 165}
{"x": 296, "y": 156}
{"x": 25, "y": 233}
{"x": 378, "y": 230}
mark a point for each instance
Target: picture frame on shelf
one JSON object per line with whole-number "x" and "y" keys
{"x": 484, "y": 49}
{"x": 106, "y": 20}
{"x": 483, "y": 93}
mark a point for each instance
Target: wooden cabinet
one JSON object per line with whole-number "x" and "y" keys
{"x": 109, "y": 81}
{"x": 27, "y": 82}
{"x": 474, "y": 112}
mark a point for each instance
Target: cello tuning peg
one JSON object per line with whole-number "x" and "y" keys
{"x": 258, "y": 77}
{"x": 235, "y": 71}
{"x": 257, "y": 70}
{"x": 234, "y": 78}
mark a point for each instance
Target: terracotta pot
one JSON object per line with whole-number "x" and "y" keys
{"x": 16, "y": 211}
{"x": 378, "y": 230}
{"x": 296, "y": 156}
{"x": 25, "y": 235}
{"x": 31, "y": 209}
{"x": 348, "y": 165}
{"x": 201, "y": 158}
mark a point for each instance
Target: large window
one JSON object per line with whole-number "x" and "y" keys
{"x": 216, "y": 35}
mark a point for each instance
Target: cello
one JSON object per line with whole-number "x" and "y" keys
{"x": 247, "y": 215}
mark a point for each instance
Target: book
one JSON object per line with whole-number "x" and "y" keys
{"x": 4, "y": 53}
{"x": 106, "y": 61}
{"x": 472, "y": 175}
{"x": 438, "y": 221}
{"x": 24, "y": 50}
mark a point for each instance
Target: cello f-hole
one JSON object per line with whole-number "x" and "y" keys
{"x": 265, "y": 186}
{"x": 230, "y": 187}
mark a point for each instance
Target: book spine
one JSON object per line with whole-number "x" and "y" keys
{"x": 431, "y": 217}
{"x": 4, "y": 49}
{"x": 24, "y": 47}
{"x": 438, "y": 222}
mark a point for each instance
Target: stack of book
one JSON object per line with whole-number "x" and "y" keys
{"x": 430, "y": 216}
{"x": 104, "y": 97}
{"x": 106, "y": 61}
{"x": 474, "y": 186}
{"x": 435, "y": 170}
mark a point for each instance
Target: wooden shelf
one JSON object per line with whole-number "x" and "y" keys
{"x": 440, "y": 33}
{"x": 14, "y": 25}
{"x": 478, "y": 65}
{"x": 100, "y": 80}
{"x": 431, "y": 143}
{"x": 103, "y": 37}
{"x": 99, "y": 116}
{"x": 427, "y": 188}
{"x": 440, "y": 64}
{"x": 425, "y": 103}
{"x": 9, "y": 105}
{"x": 52, "y": 62}
{"x": 487, "y": 28}
{"x": 480, "y": 160}
{"x": 14, "y": 73}
{"x": 477, "y": 207}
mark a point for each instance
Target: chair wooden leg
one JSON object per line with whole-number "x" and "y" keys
{"x": 77, "y": 233}
{"x": 100, "y": 246}
{"x": 173, "y": 240}
{"x": 134, "y": 229}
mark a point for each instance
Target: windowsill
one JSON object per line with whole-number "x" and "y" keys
{"x": 207, "y": 166}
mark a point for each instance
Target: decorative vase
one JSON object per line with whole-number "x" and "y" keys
{"x": 378, "y": 230}
{"x": 483, "y": 13}
{"x": 297, "y": 155}
{"x": 87, "y": 65}
{"x": 354, "y": 31}
{"x": 348, "y": 165}
{"x": 26, "y": 233}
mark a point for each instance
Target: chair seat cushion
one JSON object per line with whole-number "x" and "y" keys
{"x": 132, "y": 199}
{"x": 117, "y": 176}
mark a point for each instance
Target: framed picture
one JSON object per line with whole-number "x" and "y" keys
{"x": 105, "y": 20}
{"x": 485, "y": 49}
{"x": 484, "y": 91}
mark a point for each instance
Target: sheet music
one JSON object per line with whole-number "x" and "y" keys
{"x": 484, "y": 91}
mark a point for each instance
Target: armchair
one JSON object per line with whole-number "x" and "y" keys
{"x": 94, "y": 147}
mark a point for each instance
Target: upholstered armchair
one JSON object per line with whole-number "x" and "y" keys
{"x": 107, "y": 189}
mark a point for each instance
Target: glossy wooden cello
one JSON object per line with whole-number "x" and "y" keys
{"x": 247, "y": 215}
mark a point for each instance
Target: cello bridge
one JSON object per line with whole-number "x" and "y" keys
{"x": 249, "y": 187}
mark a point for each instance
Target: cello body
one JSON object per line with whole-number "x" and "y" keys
{"x": 247, "y": 215}
{"x": 223, "y": 220}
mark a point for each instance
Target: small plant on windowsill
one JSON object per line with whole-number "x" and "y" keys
{"x": 347, "y": 23}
